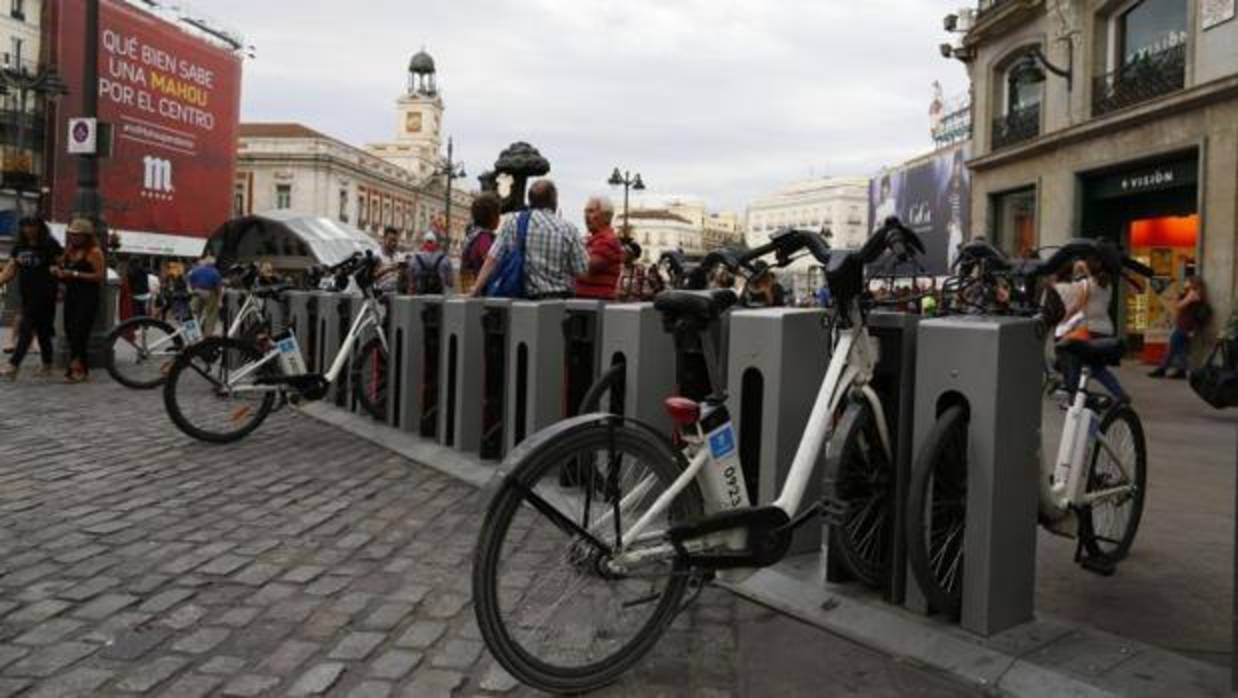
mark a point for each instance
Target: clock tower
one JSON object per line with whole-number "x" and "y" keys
{"x": 419, "y": 122}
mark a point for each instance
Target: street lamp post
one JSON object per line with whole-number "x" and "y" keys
{"x": 452, "y": 170}
{"x": 628, "y": 181}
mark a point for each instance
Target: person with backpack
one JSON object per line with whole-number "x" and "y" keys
{"x": 429, "y": 271}
{"x": 1191, "y": 314}
{"x": 486, "y": 214}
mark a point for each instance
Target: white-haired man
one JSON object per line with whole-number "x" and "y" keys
{"x": 604, "y": 250}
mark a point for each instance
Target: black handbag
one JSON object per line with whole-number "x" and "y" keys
{"x": 1217, "y": 380}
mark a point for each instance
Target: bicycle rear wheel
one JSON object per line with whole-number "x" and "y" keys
{"x": 862, "y": 480}
{"x": 551, "y": 611}
{"x": 1107, "y": 527}
{"x": 369, "y": 378}
{"x": 200, "y": 393}
{"x": 937, "y": 512}
{"x": 141, "y": 352}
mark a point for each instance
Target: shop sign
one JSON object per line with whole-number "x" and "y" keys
{"x": 1147, "y": 179}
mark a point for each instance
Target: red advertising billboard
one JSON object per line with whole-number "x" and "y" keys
{"x": 173, "y": 102}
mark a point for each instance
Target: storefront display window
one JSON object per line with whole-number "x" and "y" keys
{"x": 1015, "y": 215}
{"x": 1167, "y": 245}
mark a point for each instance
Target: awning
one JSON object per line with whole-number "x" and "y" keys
{"x": 289, "y": 240}
{"x": 156, "y": 244}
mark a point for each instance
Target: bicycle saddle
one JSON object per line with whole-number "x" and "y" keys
{"x": 1104, "y": 351}
{"x": 700, "y": 305}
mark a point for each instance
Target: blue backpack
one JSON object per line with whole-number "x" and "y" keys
{"x": 508, "y": 280}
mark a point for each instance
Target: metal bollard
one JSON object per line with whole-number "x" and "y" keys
{"x": 535, "y": 368}
{"x": 495, "y": 326}
{"x": 778, "y": 358}
{"x": 993, "y": 366}
{"x": 582, "y": 354}
{"x": 302, "y": 317}
{"x": 461, "y": 374}
{"x": 633, "y": 334}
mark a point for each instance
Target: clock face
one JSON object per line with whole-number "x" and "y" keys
{"x": 412, "y": 122}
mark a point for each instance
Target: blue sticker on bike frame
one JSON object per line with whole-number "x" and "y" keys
{"x": 286, "y": 346}
{"x": 722, "y": 442}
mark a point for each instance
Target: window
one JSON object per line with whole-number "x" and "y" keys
{"x": 18, "y": 10}
{"x": 15, "y": 57}
{"x": 238, "y": 199}
{"x": 283, "y": 196}
{"x": 344, "y": 205}
{"x": 1149, "y": 27}
{"x": 1022, "y": 90}
{"x": 362, "y": 215}
{"x": 1014, "y": 215}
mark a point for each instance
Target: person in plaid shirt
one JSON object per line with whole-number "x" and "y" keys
{"x": 554, "y": 254}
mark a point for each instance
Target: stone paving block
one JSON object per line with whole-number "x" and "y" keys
{"x": 184, "y": 617}
{"x": 394, "y": 664}
{"x": 324, "y": 625}
{"x": 387, "y": 616}
{"x": 445, "y": 605}
{"x": 356, "y": 646}
{"x": 317, "y": 680}
{"x": 105, "y": 606}
{"x": 290, "y": 655}
{"x": 250, "y": 685}
{"x": 457, "y": 654}
{"x": 371, "y": 689}
{"x": 11, "y": 687}
{"x": 225, "y": 665}
{"x": 202, "y": 641}
{"x": 49, "y": 660}
{"x": 497, "y": 680}
{"x": 151, "y": 674}
{"x": 326, "y": 586}
{"x": 38, "y": 612}
{"x": 272, "y": 593}
{"x": 10, "y": 654}
{"x": 237, "y": 617}
{"x": 434, "y": 683}
{"x": 224, "y": 565}
{"x": 80, "y": 682}
{"x": 193, "y": 686}
{"x": 294, "y": 610}
{"x": 412, "y": 593}
{"x": 257, "y": 574}
{"x": 422, "y": 634}
{"x": 48, "y": 632}
{"x": 304, "y": 574}
{"x": 166, "y": 599}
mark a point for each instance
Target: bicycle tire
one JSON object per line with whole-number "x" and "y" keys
{"x": 866, "y": 488}
{"x": 1096, "y": 543}
{"x": 939, "y": 474}
{"x": 118, "y": 335}
{"x": 207, "y": 352}
{"x": 370, "y": 376}
{"x": 490, "y": 593}
{"x": 612, "y": 381}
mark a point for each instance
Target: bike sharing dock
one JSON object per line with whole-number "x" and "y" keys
{"x": 469, "y": 380}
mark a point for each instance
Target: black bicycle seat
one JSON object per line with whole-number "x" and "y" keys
{"x": 1104, "y": 350}
{"x": 705, "y": 306}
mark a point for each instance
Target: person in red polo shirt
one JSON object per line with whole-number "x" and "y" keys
{"x": 605, "y": 252}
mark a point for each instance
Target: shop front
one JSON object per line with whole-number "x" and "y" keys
{"x": 1150, "y": 209}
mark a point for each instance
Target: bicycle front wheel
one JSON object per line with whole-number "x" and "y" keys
{"x": 208, "y": 394}
{"x": 863, "y": 483}
{"x": 141, "y": 351}
{"x": 937, "y": 512}
{"x": 552, "y": 611}
{"x": 369, "y": 378}
{"x": 1107, "y": 527}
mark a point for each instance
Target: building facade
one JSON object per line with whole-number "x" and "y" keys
{"x": 419, "y": 121}
{"x": 839, "y": 204}
{"x": 661, "y": 230}
{"x": 23, "y": 107}
{"x": 1111, "y": 119}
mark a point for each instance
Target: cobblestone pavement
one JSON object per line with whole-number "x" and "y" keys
{"x": 300, "y": 562}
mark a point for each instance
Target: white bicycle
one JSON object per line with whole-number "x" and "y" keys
{"x": 142, "y": 349}
{"x": 222, "y": 388}
{"x": 576, "y": 578}
{"x": 1096, "y": 484}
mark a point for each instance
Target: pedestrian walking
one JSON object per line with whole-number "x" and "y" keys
{"x": 138, "y": 281}
{"x": 34, "y": 256}
{"x": 1191, "y": 313}
{"x": 487, "y": 209}
{"x": 429, "y": 271}
{"x": 604, "y": 252}
{"x": 554, "y": 254}
{"x": 206, "y": 285}
{"x": 83, "y": 273}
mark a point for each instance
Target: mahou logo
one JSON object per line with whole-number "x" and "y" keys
{"x": 157, "y": 178}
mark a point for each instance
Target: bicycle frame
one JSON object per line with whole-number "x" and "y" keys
{"x": 251, "y": 306}
{"x": 851, "y": 366}
{"x": 1061, "y": 497}
{"x": 369, "y": 317}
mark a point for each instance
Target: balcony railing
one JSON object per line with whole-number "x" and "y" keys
{"x": 1017, "y": 126}
{"x": 1145, "y": 78}
{"x": 984, "y": 6}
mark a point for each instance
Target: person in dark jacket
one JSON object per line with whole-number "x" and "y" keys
{"x": 37, "y": 253}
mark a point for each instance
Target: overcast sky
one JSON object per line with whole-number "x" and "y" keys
{"x": 723, "y": 100}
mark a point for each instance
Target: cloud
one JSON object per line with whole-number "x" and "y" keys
{"x": 722, "y": 99}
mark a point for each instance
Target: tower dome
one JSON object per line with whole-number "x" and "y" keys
{"x": 421, "y": 64}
